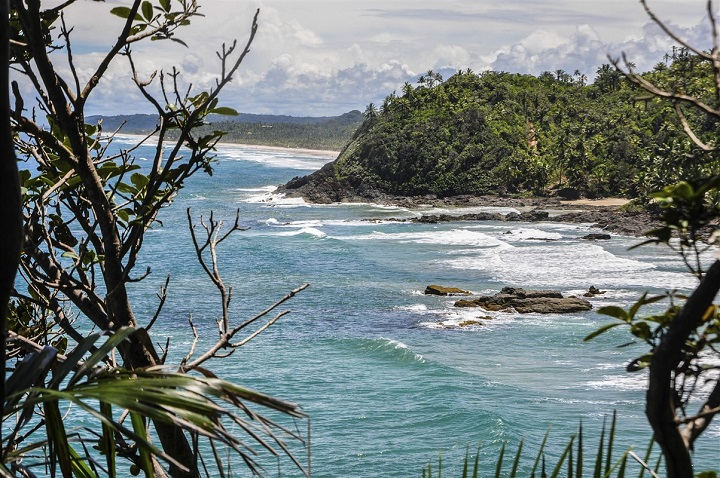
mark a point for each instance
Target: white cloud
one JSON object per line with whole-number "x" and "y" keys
{"x": 584, "y": 49}
{"x": 326, "y": 57}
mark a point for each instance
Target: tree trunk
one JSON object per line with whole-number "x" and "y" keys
{"x": 660, "y": 400}
{"x": 10, "y": 206}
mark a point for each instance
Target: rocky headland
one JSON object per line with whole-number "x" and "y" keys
{"x": 614, "y": 216}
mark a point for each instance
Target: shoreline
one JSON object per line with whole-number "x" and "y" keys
{"x": 323, "y": 153}
{"x": 607, "y": 214}
{"x": 604, "y": 213}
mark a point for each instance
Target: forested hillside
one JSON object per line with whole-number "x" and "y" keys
{"x": 504, "y": 133}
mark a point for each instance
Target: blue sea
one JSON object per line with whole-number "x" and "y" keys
{"x": 388, "y": 378}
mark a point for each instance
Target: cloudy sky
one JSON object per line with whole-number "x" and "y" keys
{"x": 326, "y": 57}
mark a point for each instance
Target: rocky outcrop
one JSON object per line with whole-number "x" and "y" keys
{"x": 596, "y": 237}
{"x": 442, "y": 290}
{"x": 324, "y": 186}
{"x": 528, "y": 301}
{"x": 593, "y": 291}
{"x": 477, "y": 322}
{"x": 535, "y": 215}
{"x": 480, "y": 216}
{"x": 528, "y": 216}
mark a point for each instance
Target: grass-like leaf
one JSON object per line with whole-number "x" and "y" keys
{"x": 498, "y": 466}
{"x": 540, "y": 452}
{"x": 145, "y": 460}
{"x": 516, "y": 463}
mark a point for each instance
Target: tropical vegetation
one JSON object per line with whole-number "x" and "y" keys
{"x": 509, "y": 133}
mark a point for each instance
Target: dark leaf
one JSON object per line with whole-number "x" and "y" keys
{"x": 224, "y": 110}
{"x": 147, "y": 10}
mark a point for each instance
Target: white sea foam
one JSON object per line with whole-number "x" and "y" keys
{"x": 413, "y": 308}
{"x": 454, "y": 237}
{"x": 272, "y": 159}
{"x": 397, "y": 345}
{"x": 309, "y": 231}
{"x": 271, "y": 221}
{"x": 569, "y": 266}
{"x": 276, "y": 200}
{"x": 603, "y": 366}
{"x": 625, "y": 382}
{"x": 335, "y": 222}
{"x": 452, "y": 317}
{"x": 523, "y": 234}
{"x": 457, "y": 211}
{"x": 265, "y": 189}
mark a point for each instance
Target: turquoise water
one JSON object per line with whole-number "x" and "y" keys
{"x": 388, "y": 383}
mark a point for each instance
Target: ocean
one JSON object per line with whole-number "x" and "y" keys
{"x": 389, "y": 380}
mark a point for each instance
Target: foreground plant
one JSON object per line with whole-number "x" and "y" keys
{"x": 86, "y": 205}
{"x": 683, "y": 338}
{"x": 203, "y": 406}
{"x": 574, "y": 460}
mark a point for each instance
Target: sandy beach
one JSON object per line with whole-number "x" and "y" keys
{"x": 605, "y": 202}
{"x": 312, "y": 152}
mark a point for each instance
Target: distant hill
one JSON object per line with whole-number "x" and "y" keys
{"x": 138, "y": 123}
{"x": 314, "y": 132}
{"x": 323, "y": 133}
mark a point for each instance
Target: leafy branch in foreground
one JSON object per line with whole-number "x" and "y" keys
{"x": 200, "y": 405}
{"x": 86, "y": 206}
{"x": 683, "y": 339}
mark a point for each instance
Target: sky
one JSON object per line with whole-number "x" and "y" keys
{"x": 327, "y": 57}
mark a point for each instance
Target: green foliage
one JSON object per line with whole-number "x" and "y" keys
{"x": 681, "y": 337}
{"x": 689, "y": 211}
{"x": 570, "y": 460}
{"x": 86, "y": 210}
{"x": 198, "y": 405}
{"x": 509, "y": 133}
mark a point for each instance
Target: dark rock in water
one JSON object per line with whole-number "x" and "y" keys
{"x": 528, "y": 216}
{"x": 596, "y": 237}
{"x": 593, "y": 291}
{"x": 480, "y": 216}
{"x": 530, "y": 294}
{"x": 552, "y": 306}
{"x": 543, "y": 239}
{"x": 534, "y": 216}
{"x": 441, "y": 290}
{"x": 465, "y": 303}
{"x": 467, "y": 323}
{"x": 528, "y": 301}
